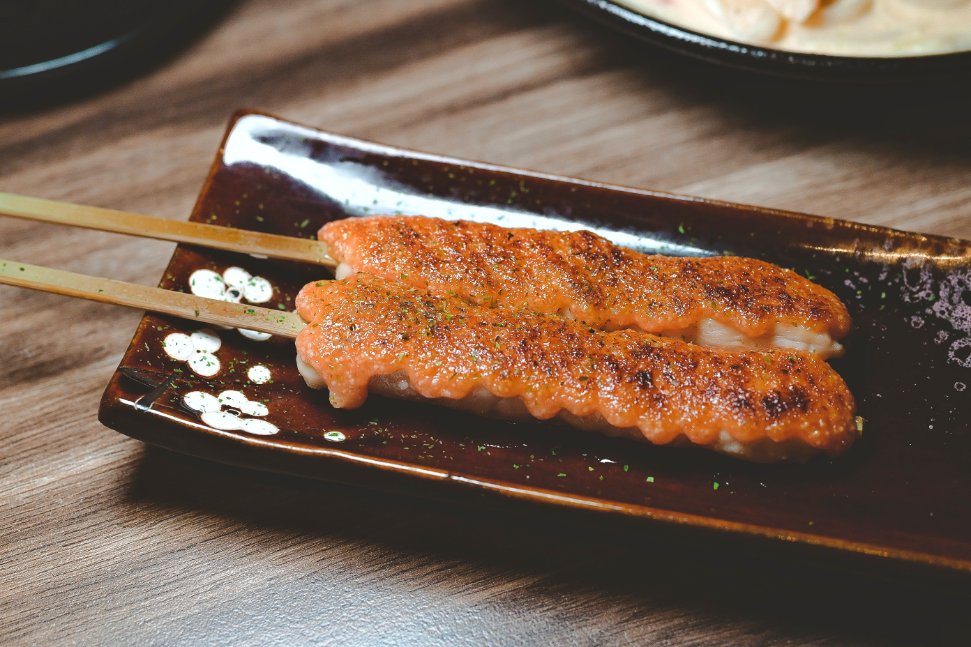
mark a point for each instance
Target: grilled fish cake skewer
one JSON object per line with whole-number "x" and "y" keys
{"x": 721, "y": 302}
{"x": 366, "y": 334}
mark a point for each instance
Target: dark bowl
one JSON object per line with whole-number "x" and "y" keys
{"x": 53, "y": 51}
{"x": 776, "y": 62}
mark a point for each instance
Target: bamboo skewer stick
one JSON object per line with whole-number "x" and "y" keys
{"x": 186, "y": 306}
{"x": 178, "y": 231}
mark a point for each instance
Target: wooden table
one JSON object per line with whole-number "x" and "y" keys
{"x": 103, "y": 540}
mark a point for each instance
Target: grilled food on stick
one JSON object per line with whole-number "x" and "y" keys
{"x": 365, "y": 334}
{"x": 723, "y": 302}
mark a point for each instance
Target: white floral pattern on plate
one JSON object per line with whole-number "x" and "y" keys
{"x": 229, "y": 410}
{"x": 234, "y": 285}
{"x": 198, "y": 350}
{"x": 259, "y": 374}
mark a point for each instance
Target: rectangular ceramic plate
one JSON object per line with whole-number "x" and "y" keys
{"x": 902, "y": 492}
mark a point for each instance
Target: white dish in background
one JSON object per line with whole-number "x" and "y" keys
{"x": 871, "y": 28}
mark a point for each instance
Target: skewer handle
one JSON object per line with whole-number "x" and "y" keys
{"x": 186, "y": 306}
{"x": 177, "y": 231}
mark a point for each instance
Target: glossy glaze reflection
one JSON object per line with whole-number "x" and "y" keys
{"x": 898, "y": 492}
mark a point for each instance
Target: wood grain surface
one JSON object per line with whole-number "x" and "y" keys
{"x": 104, "y": 541}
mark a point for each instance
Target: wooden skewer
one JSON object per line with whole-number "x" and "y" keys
{"x": 186, "y": 306}
{"x": 178, "y": 231}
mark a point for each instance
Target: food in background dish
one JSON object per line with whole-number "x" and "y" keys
{"x": 367, "y": 334}
{"x": 877, "y": 28}
{"x": 723, "y": 302}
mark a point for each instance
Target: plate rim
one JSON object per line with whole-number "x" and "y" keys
{"x": 788, "y": 214}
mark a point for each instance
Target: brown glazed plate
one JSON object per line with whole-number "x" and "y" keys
{"x": 901, "y": 492}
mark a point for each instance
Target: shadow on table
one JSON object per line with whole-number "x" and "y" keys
{"x": 581, "y": 557}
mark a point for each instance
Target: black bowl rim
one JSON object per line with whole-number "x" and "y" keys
{"x": 778, "y": 62}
